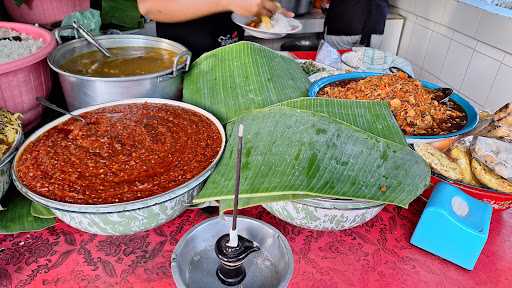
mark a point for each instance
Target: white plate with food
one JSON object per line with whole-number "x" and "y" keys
{"x": 275, "y": 27}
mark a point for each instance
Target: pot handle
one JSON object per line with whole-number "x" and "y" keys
{"x": 59, "y": 30}
{"x": 186, "y": 56}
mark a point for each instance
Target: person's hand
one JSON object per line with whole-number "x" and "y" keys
{"x": 257, "y": 8}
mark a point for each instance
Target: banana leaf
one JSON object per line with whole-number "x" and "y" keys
{"x": 121, "y": 14}
{"x": 374, "y": 117}
{"x": 40, "y": 211}
{"x": 290, "y": 153}
{"x": 242, "y": 77}
{"x": 18, "y": 217}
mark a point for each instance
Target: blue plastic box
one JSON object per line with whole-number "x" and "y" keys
{"x": 453, "y": 226}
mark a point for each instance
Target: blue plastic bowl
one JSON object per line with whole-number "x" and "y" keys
{"x": 470, "y": 111}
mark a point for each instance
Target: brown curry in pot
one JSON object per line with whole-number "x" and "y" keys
{"x": 125, "y": 61}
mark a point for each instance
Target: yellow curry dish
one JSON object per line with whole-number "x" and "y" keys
{"x": 125, "y": 61}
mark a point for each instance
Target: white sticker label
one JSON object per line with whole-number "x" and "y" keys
{"x": 460, "y": 206}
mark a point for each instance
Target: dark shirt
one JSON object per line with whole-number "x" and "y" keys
{"x": 203, "y": 34}
{"x": 356, "y": 17}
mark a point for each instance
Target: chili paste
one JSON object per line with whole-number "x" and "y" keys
{"x": 120, "y": 153}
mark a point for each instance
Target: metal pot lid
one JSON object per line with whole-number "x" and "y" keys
{"x": 194, "y": 262}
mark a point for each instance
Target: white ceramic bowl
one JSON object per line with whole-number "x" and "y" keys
{"x": 325, "y": 214}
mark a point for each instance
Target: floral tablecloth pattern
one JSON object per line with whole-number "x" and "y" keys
{"x": 376, "y": 254}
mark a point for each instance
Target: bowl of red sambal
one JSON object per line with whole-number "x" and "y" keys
{"x": 126, "y": 167}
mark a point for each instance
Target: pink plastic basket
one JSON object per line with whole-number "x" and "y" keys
{"x": 44, "y": 11}
{"x": 22, "y": 80}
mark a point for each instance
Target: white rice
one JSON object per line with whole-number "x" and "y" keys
{"x": 280, "y": 24}
{"x": 13, "y": 50}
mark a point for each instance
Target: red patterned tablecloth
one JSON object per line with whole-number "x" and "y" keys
{"x": 376, "y": 254}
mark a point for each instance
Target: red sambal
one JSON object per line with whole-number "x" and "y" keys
{"x": 120, "y": 153}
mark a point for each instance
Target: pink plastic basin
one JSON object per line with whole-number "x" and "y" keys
{"x": 44, "y": 11}
{"x": 22, "y": 80}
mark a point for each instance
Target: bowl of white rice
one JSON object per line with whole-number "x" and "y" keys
{"x": 24, "y": 72}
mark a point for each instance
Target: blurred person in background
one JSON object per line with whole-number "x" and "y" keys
{"x": 350, "y": 23}
{"x": 203, "y": 25}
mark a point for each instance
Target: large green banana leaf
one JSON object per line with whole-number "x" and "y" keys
{"x": 294, "y": 153}
{"x": 241, "y": 77}
{"x": 18, "y": 217}
{"x": 374, "y": 117}
{"x": 40, "y": 211}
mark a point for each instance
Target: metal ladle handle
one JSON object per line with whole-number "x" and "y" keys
{"x": 395, "y": 69}
{"x": 88, "y": 36}
{"x": 47, "y": 103}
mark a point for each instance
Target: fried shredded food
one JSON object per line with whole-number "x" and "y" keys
{"x": 415, "y": 108}
{"x": 10, "y": 127}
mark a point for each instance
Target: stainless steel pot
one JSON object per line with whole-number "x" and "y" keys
{"x": 82, "y": 91}
{"x": 299, "y": 7}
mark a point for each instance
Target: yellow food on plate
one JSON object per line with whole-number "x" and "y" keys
{"x": 439, "y": 162}
{"x": 487, "y": 177}
{"x": 266, "y": 23}
{"x": 501, "y": 127}
{"x": 461, "y": 155}
{"x": 504, "y": 115}
{"x": 10, "y": 126}
{"x": 444, "y": 145}
{"x": 499, "y": 132}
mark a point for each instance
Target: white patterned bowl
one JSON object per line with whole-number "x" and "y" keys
{"x": 325, "y": 214}
{"x": 128, "y": 217}
{"x": 5, "y": 165}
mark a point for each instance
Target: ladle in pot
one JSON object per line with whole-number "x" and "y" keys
{"x": 47, "y": 103}
{"x": 88, "y": 36}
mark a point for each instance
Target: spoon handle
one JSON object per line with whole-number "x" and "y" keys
{"x": 46, "y": 103}
{"x": 395, "y": 69}
{"x": 88, "y": 36}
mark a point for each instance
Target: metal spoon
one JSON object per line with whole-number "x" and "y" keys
{"x": 394, "y": 69}
{"x": 46, "y": 103}
{"x": 88, "y": 36}
{"x": 446, "y": 92}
